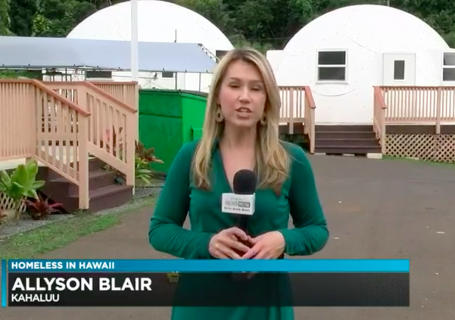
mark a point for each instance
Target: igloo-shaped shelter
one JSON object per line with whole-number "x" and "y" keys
{"x": 275, "y": 57}
{"x": 158, "y": 21}
{"x": 342, "y": 54}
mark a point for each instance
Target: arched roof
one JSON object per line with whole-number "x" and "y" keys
{"x": 372, "y": 27}
{"x": 159, "y": 21}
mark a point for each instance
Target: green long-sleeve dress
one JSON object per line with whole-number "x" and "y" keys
{"x": 299, "y": 200}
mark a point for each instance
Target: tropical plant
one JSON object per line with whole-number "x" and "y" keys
{"x": 147, "y": 154}
{"x": 41, "y": 208}
{"x": 142, "y": 171}
{"x": 143, "y": 158}
{"x": 19, "y": 185}
{"x": 140, "y": 149}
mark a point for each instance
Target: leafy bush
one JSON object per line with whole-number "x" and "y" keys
{"x": 21, "y": 184}
{"x": 143, "y": 158}
{"x": 40, "y": 209}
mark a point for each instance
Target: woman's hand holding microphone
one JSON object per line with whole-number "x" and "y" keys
{"x": 233, "y": 243}
{"x": 227, "y": 244}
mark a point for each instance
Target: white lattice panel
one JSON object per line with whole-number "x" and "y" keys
{"x": 432, "y": 147}
{"x": 6, "y": 203}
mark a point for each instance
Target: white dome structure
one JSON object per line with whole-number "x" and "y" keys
{"x": 275, "y": 57}
{"x": 344, "y": 53}
{"x": 158, "y": 21}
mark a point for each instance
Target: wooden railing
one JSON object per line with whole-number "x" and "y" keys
{"x": 112, "y": 126}
{"x": 17, "y": 122}
{"x": 39, "y": 122}
{"x": 379, "y": 125}
{"x": 419, "y": 105}
{"x": 298, "y": 106}
{"x": 310, "y": 107}
{"x": 126, "y": 92}
{"x": 292, "y": 106}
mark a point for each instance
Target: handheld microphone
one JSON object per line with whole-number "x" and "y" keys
{"x": 242, "y": 201}
{"x": 245, "y": 184}
{"x": 242, "y": 204}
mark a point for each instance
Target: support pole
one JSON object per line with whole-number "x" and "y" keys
{"x": 134, "y": 41}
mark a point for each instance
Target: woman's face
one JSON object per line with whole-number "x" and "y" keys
{"x": 242, "y": 95}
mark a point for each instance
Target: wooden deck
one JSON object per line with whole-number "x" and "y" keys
{"x": 412, "y": 121}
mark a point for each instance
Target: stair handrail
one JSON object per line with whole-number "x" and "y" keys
{"x": 81, "y": 164}
{"x": 95, "y": 88}
{"x": 112, "y": 127}
{"x": 109, "y": 97}
{"x": 309, "y": 118}
{"x": 380, "y": 107}
{"x": 111, "y": 87}
{"x": 49, "y": 91}
{"x": 116, "y": 145}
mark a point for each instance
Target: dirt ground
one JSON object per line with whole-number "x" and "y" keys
{"x": 375, "y": 209}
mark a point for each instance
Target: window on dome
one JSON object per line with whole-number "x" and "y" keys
{"x": 448, "y": 67}
{"x": 399, "y": 69}
{"x": 332, "y": 66}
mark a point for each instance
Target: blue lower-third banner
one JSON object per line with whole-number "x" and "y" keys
{"x": 213, "y": 265}
{"x": 352, "y": 289}
{"x": 4, "y": 290}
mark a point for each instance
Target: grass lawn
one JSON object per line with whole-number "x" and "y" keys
{"x": 420, "y": 161}
{"x": 59, "y": 234}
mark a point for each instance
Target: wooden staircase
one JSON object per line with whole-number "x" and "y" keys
{"x": 73, "y": 129}
{"x": 108, "y": 116}
{"x": 104, "y": 193}
{"x": 346, "y": 139}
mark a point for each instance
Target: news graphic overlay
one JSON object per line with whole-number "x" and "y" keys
{"x": 129, "y": 283}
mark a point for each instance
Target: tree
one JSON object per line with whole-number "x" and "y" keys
{"x": 56, "y": 18}
{"x": 5, "y": 21}
{"x": 22, "y": 12}
{"x": 271, "y": 21}
{"x": 439, "y": 14}
{"x": 213, "y": 10}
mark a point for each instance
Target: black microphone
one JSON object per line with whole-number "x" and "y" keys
{"x": 241, "y": 202}
{"x": 244, "y": 183}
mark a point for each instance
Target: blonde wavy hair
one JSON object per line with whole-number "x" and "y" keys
{"x": 272, "y": 159}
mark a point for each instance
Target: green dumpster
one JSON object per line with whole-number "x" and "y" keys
{"x": 167, "y": 120}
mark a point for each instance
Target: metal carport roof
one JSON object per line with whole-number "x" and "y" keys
{"x": 38, "y": 52}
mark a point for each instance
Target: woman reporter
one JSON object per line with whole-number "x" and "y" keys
{"x": 240, "y": 132}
